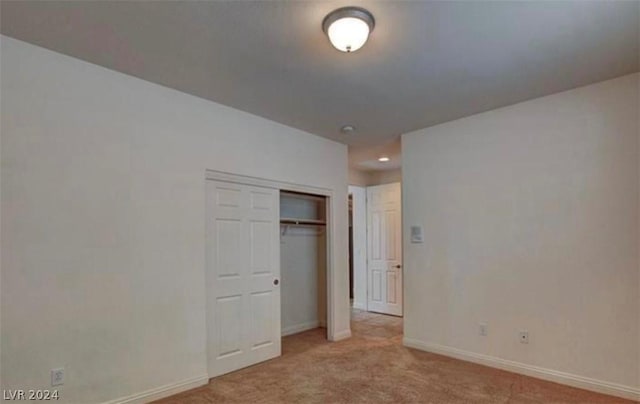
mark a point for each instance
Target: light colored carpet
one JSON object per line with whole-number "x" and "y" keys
{"x": 374, "y": 367}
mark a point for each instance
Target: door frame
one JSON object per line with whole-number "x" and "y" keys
{"x": 289, "y": 186}
{"x": 360, "y": 221}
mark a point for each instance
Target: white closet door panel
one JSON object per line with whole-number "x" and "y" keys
{"x": 229, "y": 236}
{"x": 229, "y": 309}
{"x": 376, "y": 286}
{"x": 261, "y": 247}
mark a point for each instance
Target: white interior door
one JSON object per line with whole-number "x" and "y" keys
{"x": 384, "y": 252}
{"x": 243, "y": 271}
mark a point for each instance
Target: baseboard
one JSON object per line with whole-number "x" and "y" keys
{"x": 163, "y": 391}
{"x": 359, "y": 306}
{"x": 340, "y": 335}
{"x": 569, "y": 379}
{"x": 294, "y": 329}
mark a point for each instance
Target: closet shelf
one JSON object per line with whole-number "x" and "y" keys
{"x": 302, "y": 222}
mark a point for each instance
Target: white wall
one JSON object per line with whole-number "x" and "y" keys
{"x": 530, "y": 218}
{"x": 103, "y": 197}
{"x": 359, "y": 177}
{"x": 359, "y": 221}
{"x": 369, "y": 178}
{"x": 385, "y": 177}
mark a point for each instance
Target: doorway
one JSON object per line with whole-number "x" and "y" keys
{"x": 376, "y": 251}
{"x": 384, "y": 252}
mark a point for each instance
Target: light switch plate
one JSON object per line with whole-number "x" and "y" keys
{"x": 416, "y": 234}
{"x": 57, "y": 377}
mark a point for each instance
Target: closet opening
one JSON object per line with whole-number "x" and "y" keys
{"x": 303, "y": 262}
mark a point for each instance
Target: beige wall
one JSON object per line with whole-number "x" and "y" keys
{"x": 358, "y": 177}
{"x": 530, "y": 217}
{"x": 385, "y": 177}
{"x": 103, "y": 199}
{"x": 368, "y": 178}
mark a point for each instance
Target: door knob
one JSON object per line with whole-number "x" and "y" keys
{"x": 276, "y": 282}
{"x": 398, "y": 266}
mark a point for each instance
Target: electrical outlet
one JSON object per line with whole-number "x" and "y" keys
{"x": 57, "y": 377}
{"x": 523, "y": 336}
{"x": 483, "y": 329}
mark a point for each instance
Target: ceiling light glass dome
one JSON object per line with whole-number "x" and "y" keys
{"x": 348, "y": 28}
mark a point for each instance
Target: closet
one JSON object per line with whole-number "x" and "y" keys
{"x": 303, "y": 262}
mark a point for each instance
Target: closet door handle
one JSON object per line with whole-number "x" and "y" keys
{"x": 398, "y": 266}
{"x": 276, "y": 282}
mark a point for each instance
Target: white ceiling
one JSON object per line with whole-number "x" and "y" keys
{"x": 425, "y": 63}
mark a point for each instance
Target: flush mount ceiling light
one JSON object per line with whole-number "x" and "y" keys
{"x": 348, "y": 28}
{"x": 384, "y": 159}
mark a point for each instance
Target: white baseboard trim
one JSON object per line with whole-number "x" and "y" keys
{"x": 359, "y": 306}
{"x": 294, "y": 329}
{"x": 162, "y": 391}
{"x": 569, "y": 379}
{"x": 340, "y": 335}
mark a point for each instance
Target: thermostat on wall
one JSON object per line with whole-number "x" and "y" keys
{"x": 416, "y": 234}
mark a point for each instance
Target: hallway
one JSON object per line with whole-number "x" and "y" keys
{"x": 374, "y": 367}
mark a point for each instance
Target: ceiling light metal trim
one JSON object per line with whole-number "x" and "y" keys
{"x": 349, "y": 12}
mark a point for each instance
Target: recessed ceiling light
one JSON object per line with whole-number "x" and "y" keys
{"x": 347, "y": 129}
{"x": 384, "y": 159}
{"x": 348, "y": 28}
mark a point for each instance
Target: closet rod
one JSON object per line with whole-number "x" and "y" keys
{"x": 303, "y": 222}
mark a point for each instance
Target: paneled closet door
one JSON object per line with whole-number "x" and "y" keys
{"x": 243, "y": 271}
{"x": 384, "y": 252}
